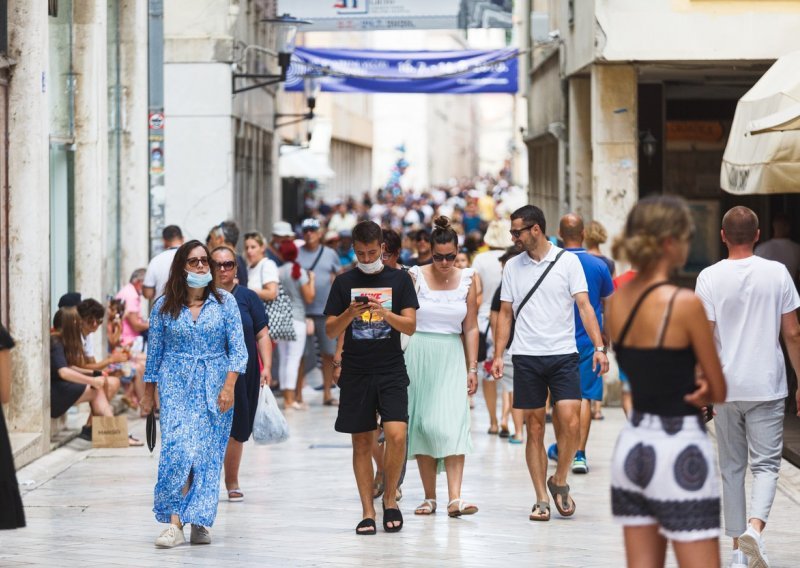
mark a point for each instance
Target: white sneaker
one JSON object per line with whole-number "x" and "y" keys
{"x": 739, "y": 559}
{"x": 200, "y": 535}
{"x": 752, "y": 545}
{"x": 171, "y": 536}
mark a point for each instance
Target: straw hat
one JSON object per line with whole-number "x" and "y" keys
{"x": 497, "y": 234}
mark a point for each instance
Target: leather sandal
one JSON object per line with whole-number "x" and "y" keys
{"x": 463, "y": 508}
{"x": 540, "y": 511}
{"x": 428, "y": 507}
{"x": 378, "y": 485}
{"x": 561, "y": 496}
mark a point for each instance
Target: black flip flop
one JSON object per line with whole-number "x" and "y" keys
{"x": 392, "y": 515}
{"x": 366, "y": 524}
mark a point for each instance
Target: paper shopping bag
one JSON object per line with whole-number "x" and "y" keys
{"x": 109, "y": 432}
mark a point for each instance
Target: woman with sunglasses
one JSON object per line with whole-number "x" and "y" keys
{"x": 257, "y": 341}
{"x": 196, "y": 352}
{"x": 440, "y": 375}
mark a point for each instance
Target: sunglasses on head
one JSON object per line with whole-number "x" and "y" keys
{"x": 225, "y": 265}
{"x": 440, "y": 257}
{"x": 196, "y": 261}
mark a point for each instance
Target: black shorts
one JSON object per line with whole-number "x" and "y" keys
{"x": 362, "y": 396}
{"x": 534, "y": 375}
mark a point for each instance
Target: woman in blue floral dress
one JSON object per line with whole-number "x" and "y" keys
{"x": 196, "y": 351}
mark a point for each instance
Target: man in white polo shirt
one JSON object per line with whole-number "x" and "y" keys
{"x": 750, "y": 301}
{"x": 539, "y": 291}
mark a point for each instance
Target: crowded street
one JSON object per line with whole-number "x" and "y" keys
{"x": 92, "y": 508}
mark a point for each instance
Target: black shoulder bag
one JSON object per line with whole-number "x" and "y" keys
{"x": 528, "y": 297}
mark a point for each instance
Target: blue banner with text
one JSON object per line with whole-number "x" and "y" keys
{"x": 371, "y": 71}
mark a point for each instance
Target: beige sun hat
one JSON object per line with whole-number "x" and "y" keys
{"x": 497, "y": 234}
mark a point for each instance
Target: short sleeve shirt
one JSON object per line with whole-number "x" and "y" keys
{"x": 598, "y": 278}
{"x": 546, "y": 325}
{"x": 264, "y": 272}
{"x": 327, "y": 265}
{"x": 746, "y": 298}
{"x": 292, "y": 289}
{"x": 371, "y": 345}
{"x": 133, "y": 304}
{"x": 158, "y": 271}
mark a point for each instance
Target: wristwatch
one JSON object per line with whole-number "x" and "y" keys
{"x": 602, "y": 349}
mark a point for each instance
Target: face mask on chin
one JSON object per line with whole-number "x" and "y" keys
{"x": 372, "y": 267}
{"x": 194, "y": 280}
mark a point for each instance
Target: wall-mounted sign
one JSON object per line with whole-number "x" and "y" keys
{"x": 373, "y": 71}
{"x": 156, "y": 120}
{"x": 366, "y": 15}
{"x": 694, "y": 131}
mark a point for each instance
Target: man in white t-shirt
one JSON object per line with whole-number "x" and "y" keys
{"x": 749, "y": 302}
{"x": 488, "y": 267}
{"x": 155, "y": 279}
{"x": 545, "y": 354}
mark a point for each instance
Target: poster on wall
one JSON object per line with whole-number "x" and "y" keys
{"x": 368, "y": 15}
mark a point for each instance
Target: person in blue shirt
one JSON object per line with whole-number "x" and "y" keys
{"x": 601, "y": 286}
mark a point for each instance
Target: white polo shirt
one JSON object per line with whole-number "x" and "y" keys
{"x": 158, "y": 271}
{"x": 546, "y": 325}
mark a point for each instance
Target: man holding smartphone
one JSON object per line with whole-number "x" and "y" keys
{"x": 372, "y": 305}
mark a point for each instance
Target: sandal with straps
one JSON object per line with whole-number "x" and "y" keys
{"x": 540, "y": 511}
{"x": 428, "y": 507}
{"x": 463, "y": 508}
{"x": 561, "y": 491}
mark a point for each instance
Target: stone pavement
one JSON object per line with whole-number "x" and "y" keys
{"x": 93, "y": 508}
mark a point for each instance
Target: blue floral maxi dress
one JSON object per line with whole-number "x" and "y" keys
{"x": 190, "y": 360}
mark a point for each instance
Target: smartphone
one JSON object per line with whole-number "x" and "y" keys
{"x": 362, "y": 299}
{"x": 709, "y": 416}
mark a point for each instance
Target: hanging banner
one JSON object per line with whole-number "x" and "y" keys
{"x": 371, "y": 71}
{"x": 366, "y": 15}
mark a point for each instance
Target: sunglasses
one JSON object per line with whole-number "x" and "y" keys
{"x": 517, "y": 232}
{"x": 425, "y": 238}
{"x": 225, "y": 265}
{"x": 309, "y": 230}
{"x": 441, "y": 257}
{"x": 196, "y": 261}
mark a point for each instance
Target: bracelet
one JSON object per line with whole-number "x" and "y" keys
{"x": 337, "y": 364}
{"x": 472, "y": 370}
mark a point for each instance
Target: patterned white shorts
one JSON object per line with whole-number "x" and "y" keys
{"x": 663, "y": 472}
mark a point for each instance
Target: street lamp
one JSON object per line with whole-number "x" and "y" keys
{"x": 312, "y": 85}
{"x": 649, "y": 145}
{"x": 285, "y": 34}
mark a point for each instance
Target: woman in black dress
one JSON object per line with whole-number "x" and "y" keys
{"x": 11, "y": 514}
{"x": 258, "y": 343}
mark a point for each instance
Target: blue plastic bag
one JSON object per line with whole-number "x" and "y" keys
{"x": 270, "y": 425}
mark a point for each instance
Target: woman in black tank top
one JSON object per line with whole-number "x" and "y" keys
{"x": 664, "y": 484}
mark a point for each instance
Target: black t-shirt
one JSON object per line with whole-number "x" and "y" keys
{"x": 495, "y": 307}
{"x": 58, "y": 358}
{"x": 372, "y": 345}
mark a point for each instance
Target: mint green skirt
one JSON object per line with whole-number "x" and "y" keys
{"x": 438, "y": 405}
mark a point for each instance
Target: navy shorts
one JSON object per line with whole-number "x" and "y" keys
{"x": 364, "y": 396}
{"x": 534, "y": 375}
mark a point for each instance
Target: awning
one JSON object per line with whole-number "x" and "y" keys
{"x": 298, "y": 162}
{"x": 763, "y": 151}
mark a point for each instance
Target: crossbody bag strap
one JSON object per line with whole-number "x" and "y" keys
{"x": 316, "y": 260}
{"x": 538, "y": 283}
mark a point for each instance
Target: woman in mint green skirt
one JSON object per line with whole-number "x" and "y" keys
{"x": 441, "y": 374}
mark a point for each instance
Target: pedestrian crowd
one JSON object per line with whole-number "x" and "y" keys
{"x": 409, "y": 303}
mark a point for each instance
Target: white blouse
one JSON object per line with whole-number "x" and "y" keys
{"x": 442, "y": 311}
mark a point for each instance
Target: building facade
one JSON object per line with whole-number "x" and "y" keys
{"x": 629, "y": 98}
{"x": 76, "y": 213}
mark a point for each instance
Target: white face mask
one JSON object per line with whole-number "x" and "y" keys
{"x": 372, "y": 267}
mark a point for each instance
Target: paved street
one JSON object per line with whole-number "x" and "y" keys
{"x": 92, "y": 508}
